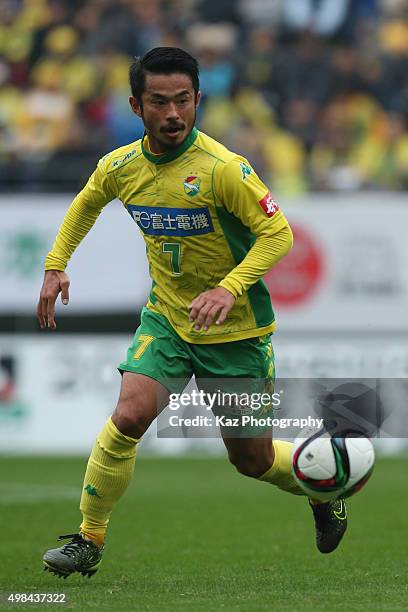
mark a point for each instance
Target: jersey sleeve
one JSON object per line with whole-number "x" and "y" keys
{"x": 81, "y": 215}
{"x": 245, "y": 196}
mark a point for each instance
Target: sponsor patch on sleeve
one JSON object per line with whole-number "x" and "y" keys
{"x": 269, "y": 205}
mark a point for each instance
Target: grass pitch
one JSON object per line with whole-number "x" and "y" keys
{"x": 191, "y": 534}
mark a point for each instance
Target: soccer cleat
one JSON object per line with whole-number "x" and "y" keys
{"x": 331, "y": 524}
{"x": 79, "y": 555}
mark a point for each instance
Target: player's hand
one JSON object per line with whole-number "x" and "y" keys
{"x": 55, "y": 282}
{"x": 208, "y": 304}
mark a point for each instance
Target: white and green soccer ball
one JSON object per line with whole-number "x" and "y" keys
{"x": 332, "y": 462}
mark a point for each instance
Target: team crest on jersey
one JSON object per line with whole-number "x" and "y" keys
{"x": 269, "y": 205}
{"x": 245, "y": 169}
{"x": 192, "y": 185}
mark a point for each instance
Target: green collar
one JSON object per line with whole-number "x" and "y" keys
{"x": 164, "y": 158}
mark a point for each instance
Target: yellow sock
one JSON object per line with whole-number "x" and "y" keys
{"x": 110, "y": 468}
{"x": 280, "y": 473}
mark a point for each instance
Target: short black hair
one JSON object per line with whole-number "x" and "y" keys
{"x": 162, "y": 60}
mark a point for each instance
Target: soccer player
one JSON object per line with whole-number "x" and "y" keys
{"x": 212, "y": 230}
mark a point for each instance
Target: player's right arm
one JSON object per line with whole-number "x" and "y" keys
{"x": 79, "y": 219}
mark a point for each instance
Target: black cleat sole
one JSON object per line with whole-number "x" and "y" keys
{"x": 56, "y": 572}
{"x": 59, "y": 574}
{"x": 89, "y": 574}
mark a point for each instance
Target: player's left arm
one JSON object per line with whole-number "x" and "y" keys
{"x": 246, "y": 197}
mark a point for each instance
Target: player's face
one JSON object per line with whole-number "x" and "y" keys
{"x": 168, "y": 110}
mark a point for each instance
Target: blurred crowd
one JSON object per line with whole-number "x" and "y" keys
{"x": 313, "y": 92}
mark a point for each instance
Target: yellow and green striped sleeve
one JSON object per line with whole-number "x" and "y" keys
{"x": 245, "y": 197}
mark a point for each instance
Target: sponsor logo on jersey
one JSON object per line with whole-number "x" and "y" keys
{"x": 163, "y": 221}
{"x": 245, "y": 169}
{"x": 123, "y": 159}
{"x": 269, "y": 205}
{"x": 192, "y": 185}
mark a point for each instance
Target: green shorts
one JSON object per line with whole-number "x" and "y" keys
{"x": 244, "y": 367}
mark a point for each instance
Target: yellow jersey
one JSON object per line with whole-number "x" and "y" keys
{"x": 207, "y": 220}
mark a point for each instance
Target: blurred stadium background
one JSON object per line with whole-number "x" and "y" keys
{"x": 314, "y": 94}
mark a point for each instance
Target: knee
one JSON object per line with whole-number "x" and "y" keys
{"x": 250, "y": 464}
{"x": 130, "y": 417}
